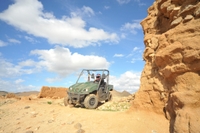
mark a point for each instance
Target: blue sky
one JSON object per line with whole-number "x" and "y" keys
{"x": 47, "y": 42}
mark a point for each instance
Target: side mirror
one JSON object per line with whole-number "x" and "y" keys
{"x": 92, "y": 76}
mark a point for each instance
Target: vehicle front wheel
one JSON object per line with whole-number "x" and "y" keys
{"x": 91, "y": 101}
{"x": 67, "y": 102}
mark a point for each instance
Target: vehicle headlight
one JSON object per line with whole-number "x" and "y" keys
{"x": 85, "y": 90}
{"x": 70, "y": 88}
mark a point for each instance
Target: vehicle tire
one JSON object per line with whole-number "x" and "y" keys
{"x": 91, "y": 101}
{"x": 67, "y": 102}
{"x": 110, "y": 98}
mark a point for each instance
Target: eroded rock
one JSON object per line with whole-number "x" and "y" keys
{"x": 171, "y": 76}
{"x": 53, "y": 92}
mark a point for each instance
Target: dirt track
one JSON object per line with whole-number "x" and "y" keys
{"x": 47, "y": 115}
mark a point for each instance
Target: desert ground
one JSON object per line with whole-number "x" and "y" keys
{"x": 30, "y": 114}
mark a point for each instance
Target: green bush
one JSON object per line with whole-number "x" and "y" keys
{"x": 49, "y": 102}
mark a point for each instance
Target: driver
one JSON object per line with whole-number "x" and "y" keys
{"x": 98, "y": 77}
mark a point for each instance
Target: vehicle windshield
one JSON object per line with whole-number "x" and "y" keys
{"x": 93, "y": 75}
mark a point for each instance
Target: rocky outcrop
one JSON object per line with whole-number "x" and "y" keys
{"x": 170, "y": 81}
{"x": 52, "y": 92}
{"x": 12, "y": 95}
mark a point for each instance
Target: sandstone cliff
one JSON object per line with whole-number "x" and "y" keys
{"x": 170, "y": 81}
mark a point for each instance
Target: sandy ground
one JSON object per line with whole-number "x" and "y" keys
{"x": 50, "y": 116}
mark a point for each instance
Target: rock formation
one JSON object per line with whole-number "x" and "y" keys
{"x": 170, "y": 81}
{"x": 52, "y": 92}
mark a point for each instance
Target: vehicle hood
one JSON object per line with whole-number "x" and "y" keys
{"x": 83, "y": 88}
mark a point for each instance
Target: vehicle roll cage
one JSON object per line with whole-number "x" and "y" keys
{"x": 104, "y": 76}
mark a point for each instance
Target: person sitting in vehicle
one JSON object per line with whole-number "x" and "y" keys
{"x": 98, "y": 78}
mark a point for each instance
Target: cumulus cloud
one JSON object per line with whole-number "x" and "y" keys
{"x": 62, "y": 62}
{"x": 136, "y": 55}
{"x": 128, "y": 81}
{"x": 28, "y": 16}
{"x": 8, "y": 69}
{"x": 58, "y": 60}
{"x": 123, "y": 1}
{"x": 106, "y": 7}
{"x": 87, "y": 11}
{"x": 15, "y": 86}
{"x": 136, "y": 48}
{"x": 131, "y": 27}
{"x": 137, "y": 52}
{"x": 2, "y": 43}
{"x": 28, "y": 63}
{"x": 19, "y": 81}
{"x": 133, "y": 60}
{"x": 30, "y": 39}
{"x": 11, "y": 40}
{"x": 118, "y": 55}
{"x": 140, "y": 3}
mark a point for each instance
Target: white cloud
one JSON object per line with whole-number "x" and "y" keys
{"x": 30, "y": 39}
{"x": 14, "y": 41}
{"x": 27, "y": 63}
{"x": 131, "y": 27}
{"x": 58, "y": 60}
{"x": 136, "y": 55}
{"x": 55, "y": 79}
{"x": 135, "y": 48}
{"x": 62, "y": 62}
{"x": 118, "y": 55}
{"x": 19, "y": 81}
{"x": 88, "y": 11}
{"x": 85, "y": 11}
{"x": 123, "y": 35}
{"x": 123, "y": 1}
{"x": 28, "y": 16}
{"x": 135, "y": 52}
{"x": 140, "y": 3}
{"x": 2, "y": 43}
{"x": 10, "y": 86}
{"x": 106, "y": 7}
{"x": 128, "y": 81}
{"x": 8, "y": 69}
{"x": 136, "y": 59}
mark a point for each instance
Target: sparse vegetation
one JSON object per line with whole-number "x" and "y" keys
{"x": 115, "y": 106}
{"x": 49, "y": 102}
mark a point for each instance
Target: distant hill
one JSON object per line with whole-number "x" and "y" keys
{"x": 27, "y": 93}
{"x": 120, "y": 94}
{"x": 125, "y": 93}
{"x": 4, "y": 93}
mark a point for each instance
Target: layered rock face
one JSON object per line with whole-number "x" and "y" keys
{"x": 170, "y": 81}
{"x": 52, "y": 92}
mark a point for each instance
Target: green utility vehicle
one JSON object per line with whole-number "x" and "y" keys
{"x": 91, "y": 88}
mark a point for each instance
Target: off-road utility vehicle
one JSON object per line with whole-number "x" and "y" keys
{"x": 91, "y": 87}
